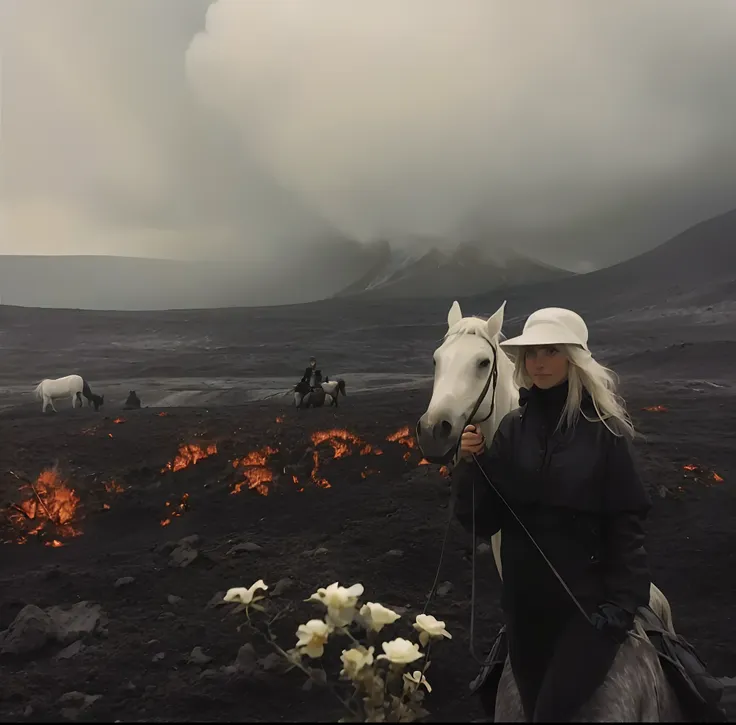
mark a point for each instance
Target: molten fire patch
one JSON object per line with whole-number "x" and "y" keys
{"x": 655, "y": 409}
{"x": 254, "y": 468}
{"x": 48, "y": 511}
{"x": 175, "y": 510}
{"x": 341, "y": 441}
{"x": 404, "y": 437}
{"x": 700, "y": 475}
{"x": 189, "y": 454}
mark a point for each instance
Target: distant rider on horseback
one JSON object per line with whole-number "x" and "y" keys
{"x": 312, "y": 376}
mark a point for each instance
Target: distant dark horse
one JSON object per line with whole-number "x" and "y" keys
{"x": 133, "y": 402}
{"x": 306, "y": 397}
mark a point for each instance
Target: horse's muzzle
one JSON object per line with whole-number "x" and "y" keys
{"x": 436, "y": 441}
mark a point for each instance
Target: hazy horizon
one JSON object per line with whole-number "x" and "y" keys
{"x": 579, "y": 134}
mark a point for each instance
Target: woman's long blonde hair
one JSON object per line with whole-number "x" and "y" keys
{"x": 585, "y": 373}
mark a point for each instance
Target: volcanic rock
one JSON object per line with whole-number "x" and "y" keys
{"x": 30, "y": 631}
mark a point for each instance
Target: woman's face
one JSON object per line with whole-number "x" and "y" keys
{"x": 547, "y": 366}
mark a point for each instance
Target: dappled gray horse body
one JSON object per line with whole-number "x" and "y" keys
{"x": 636, "y": 689}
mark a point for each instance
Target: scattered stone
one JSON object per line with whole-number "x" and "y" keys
{"x": 247, "y": 546}
{"x": 484, "y": 548}
{"x": 182, "y": 556}
{"x": 191, "y": 540}
{"x": 28, "y": 711}
{"x": 282, "y": 586}
{"x": 444, "y": 589}
{"x": 158, "y": 657}
{"x": 70, "y": 651}
{"x": 129, "y": 686}
{"x": 166, "y": 547}
{"x": 124, "y": 581}
{"x": 76, "y": 703}
{"x": 173, "y": 599}
{"x": 208, "y": 674}
{"x": 229, "y": 670}
{"x": 246, "y": 660}
{"x": 395, "y": 552}
{"x": 166, "y": 615}
{"x": 30, "y": 631}
{"x": 75, "y": 622}
{"x": 320, "y": 551}
{"x": 198, "y": 657}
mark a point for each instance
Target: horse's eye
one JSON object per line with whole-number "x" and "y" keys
{"x": 484, "y": 363}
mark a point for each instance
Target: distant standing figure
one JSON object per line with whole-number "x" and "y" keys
{"x": 133, "y": 402}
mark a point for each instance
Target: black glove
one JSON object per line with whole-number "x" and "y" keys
{"x": 612, "y": 620}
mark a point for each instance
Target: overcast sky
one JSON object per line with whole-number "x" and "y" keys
{"x": 581, "y": 131}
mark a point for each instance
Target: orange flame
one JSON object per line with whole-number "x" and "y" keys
{"x": 341, "y": 440}
{"x": 109, "y": 435}
{"x": 318, "y": 480}
{"x": 162, "y": 414}
{"x": 403, "y": 437}
{"x": 279, "y": 419}
{"x": 119, "y": 420}
{"x": 189, "y": 454}
{"x": 256, "y": 474}
{"x": 656, "y": 409}
{"x": 177, "y": 510}
{"x": 52, "y": 505}
{"x": 113, "y": 487}
{"x": 712, "y": 476}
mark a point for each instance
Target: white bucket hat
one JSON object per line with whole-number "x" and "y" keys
{"x": 551, "y": 326}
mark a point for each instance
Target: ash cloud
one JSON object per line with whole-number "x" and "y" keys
{"x": 582, "y": 132}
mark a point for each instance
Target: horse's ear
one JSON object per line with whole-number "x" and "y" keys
{"x": 495, "y": 321}
{"x": 454, "y": 315}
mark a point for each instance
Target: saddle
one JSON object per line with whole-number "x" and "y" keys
{"x": 698, "y": 692}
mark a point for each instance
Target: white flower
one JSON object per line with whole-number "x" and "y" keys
{"x": 418, "y": 679}
{"x": 378, "y": 616}
{"x": 243, "y": 595}
{"x": 428, "y": 627}
{"x": 400, "y": 651}
{"x": 340, "y": 602}
{"x": 355, "y": 659}
{"x": 312, "y": 637}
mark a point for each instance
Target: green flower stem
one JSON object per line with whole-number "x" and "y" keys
{"x": 271, "y": 640}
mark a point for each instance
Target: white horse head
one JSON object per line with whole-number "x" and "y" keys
{"x": 463, "y": 366}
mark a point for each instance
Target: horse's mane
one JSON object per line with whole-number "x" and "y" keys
{"x": 478, "y": 326}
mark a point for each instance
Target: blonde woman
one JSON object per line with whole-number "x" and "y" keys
{"x": 563, "y": 461}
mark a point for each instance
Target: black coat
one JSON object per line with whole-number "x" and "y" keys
{"x": 578, "y": 492}
{"x": 308, "y": 375}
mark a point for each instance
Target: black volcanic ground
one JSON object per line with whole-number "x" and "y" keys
{"x": 380, "y": 522}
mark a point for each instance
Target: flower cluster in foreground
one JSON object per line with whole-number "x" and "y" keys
{"x": 380, "y": 689}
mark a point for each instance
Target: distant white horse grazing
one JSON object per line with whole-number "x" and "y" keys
{"x": 333, "y": 390}
{"x": 73, "y": 386}
{"x": 636, "y": 688}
